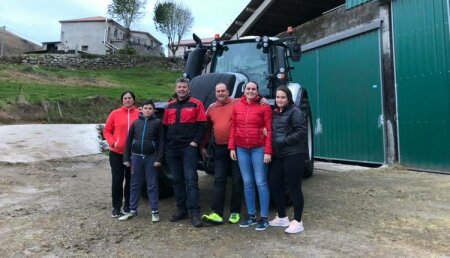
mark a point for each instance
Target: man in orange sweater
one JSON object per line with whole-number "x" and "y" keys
{"x": 219, "y": 120}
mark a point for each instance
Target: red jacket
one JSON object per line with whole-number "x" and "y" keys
{"x": 247, "y": 125}
{"x": 117, "y": 127}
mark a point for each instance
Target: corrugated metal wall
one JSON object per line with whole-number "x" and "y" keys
{"x": 352, "y": 3}
{"x": 343, "y": 80}
{"x": 422, "y": 63}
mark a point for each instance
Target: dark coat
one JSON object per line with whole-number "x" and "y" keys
{"x": 145, "y": 138}
{"x": 289, "y": 132}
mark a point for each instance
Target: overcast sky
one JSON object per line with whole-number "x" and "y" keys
{"x": 38, "y": 20}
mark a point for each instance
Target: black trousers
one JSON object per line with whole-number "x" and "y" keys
{"x": 119, "y": 173}
{"x": 287, "y": 171}
{"x": 223, "y": 166}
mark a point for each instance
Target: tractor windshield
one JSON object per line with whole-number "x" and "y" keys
{"x": 247, "y": 59}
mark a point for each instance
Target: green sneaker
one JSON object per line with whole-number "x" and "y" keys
{"x": 212, "y": 218}
{"x": 234, "y": 218}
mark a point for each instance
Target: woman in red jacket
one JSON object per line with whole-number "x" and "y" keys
{"x": 116, "y": 133}
{"x": 253, "y": 149}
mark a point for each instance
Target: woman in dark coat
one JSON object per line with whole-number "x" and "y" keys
{"x": 289, "y": 145}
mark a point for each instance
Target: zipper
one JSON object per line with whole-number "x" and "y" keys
{"x": 142, "y": 138}
{"x": 246, "y": 124}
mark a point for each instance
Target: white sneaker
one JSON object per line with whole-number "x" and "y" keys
{"x": 128, "y": 216}
{"x": 155, "y": 216}
{"x": 294, "y": 227}
{"x": 279, "y": 222}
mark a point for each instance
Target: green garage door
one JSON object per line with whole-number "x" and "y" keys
{"x": 343, "y": 80}
{"x": 422, "y": 64}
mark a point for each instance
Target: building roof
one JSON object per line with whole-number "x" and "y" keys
{"x": 88, "y": 19}
{"x": 270, "y": 17}
{"x": 191, "y": 42}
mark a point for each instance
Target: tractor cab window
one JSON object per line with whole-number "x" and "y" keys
{"x": 246, "y": 59}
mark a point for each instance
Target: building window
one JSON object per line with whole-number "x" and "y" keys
{"x": 139, "y": 41}
{"x": 115, "y": 32}
{"x": 84, "y": 48}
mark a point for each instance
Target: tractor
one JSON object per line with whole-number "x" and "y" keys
{"x": 265, "y": 60}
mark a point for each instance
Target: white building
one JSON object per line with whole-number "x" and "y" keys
{"x": 187, "y": 45}
{"x": 98, "y": 35}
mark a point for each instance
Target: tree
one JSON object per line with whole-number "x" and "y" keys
{"x": 127, "y": 11}
{"x": 174, "y": 20}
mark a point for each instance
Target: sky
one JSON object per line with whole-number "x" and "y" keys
{"x": 38, "y": 20}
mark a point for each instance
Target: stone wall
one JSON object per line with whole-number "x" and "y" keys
{"x": 91, "y": 62}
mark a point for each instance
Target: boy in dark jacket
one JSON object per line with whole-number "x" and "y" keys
{"x": 144, "y": 150}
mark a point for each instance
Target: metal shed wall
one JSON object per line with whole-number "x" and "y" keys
{"x": 352, "y": 3}
{"x": 422, "y": 63}
{"x": 343, "y": 80}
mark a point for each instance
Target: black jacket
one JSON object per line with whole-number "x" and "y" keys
{"x": 289, "y": 132}
{"x": 184, "y": 121}
{"x": 145, "y": 138}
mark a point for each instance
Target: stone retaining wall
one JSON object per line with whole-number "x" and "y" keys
{"x": 90, "y": 62}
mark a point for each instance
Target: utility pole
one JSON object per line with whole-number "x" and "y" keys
{"x": 3, "y": 40}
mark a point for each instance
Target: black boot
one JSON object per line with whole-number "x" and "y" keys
{"x": 196, "y": 220}
{"x": 178, "y": 216}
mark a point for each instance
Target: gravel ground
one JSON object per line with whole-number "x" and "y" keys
{"x": 62, "y": 208}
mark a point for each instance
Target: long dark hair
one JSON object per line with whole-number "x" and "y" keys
{"x": 132, "y": 96}
{"x": 288, "y": 93}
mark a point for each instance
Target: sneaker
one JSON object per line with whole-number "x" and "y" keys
{"x": 279, "y": 222}
{"x": 213, "y": 218}
{"x": 234, "y": 218}
{"x": 249, "y": 221}
{"x": 126, "y": 210}
{"x": 294, "y": 227}
{"x": 128, "y": 215}
{"x": 263, "y": 224}
{"x": 155, "y": 216}
{"x": 178, "y": 216}
{"x": 116, "y": 213}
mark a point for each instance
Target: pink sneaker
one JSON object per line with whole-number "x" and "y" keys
{"x": 294, "y": 227}
{"x": 279, "y": 222}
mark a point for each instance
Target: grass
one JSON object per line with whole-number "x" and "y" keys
{"x": 82, "y": 95}
{"x": 43, "y": 83}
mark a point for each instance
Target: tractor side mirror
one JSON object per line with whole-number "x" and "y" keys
{"x": 194, "y": 63}
{"x": 295, "y": 51}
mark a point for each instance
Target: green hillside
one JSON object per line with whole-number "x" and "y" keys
{"x": 57, "y": 95}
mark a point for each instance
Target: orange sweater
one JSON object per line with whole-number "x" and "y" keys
{"x": 219, "y": 117}
{"x": 117, "y": 127}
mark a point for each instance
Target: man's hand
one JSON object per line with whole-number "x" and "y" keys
{"x": 157, "y": 164}
{"x": 204, "y": 153}
{"x": 233, "y": 155}
{"x": 265, "y": 131}
{"x": 193, "y": 144}
{"x": 264, "y": 101}
{"x": 127, "y": 164}
{"x": 267, "y": 158}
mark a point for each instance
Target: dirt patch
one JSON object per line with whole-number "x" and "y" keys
{"x": 93, "y": 109}
{"x": 62, "y": 208}
{"x": 29, "y": 77}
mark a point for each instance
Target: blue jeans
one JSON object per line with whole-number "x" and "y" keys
{"x": 254, "y": 172}
{"x": 182, "y": 163}
{"x": 142, "y": 170}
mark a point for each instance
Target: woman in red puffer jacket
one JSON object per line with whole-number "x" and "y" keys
{"x": 116, "y": 134}
{"x": 253, "y": 149}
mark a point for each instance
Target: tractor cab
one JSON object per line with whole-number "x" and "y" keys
{"x": 265, "y": 60}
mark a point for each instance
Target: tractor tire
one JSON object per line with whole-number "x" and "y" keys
{"x": 305, "y": 107}
{"x": 309, "y": 163}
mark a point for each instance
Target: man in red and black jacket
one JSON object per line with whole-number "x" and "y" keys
{"x": 184, "y": 125}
